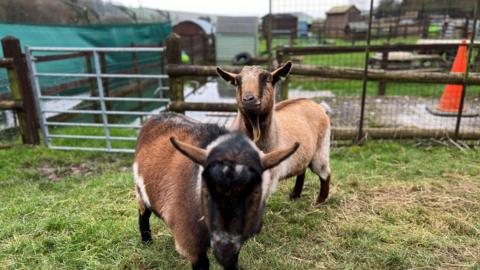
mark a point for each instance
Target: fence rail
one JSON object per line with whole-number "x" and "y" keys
{"x": 179, "y": 72}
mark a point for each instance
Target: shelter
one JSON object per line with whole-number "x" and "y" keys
{"x": 283, "y": 25}
{"x": 196, "y": 39}
{"x": 304, "y": 22}
{"x": 235, "y": 35}
{"x": 338, "y": 18}
{"x": 356, "y": 31}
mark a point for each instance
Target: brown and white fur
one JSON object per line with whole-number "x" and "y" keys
{"x": 273, "y": 125}
{"x": 209, "y": 185}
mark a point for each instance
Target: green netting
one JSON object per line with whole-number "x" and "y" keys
{"x": 87, "y": 36}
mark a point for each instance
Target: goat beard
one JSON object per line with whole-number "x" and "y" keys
{"x": 255, "y": 128}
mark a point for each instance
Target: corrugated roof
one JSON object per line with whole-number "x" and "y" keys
{"x": 340, "y": 9}
{"x": 206, "y": 26}
{"x": 237, "y": 25}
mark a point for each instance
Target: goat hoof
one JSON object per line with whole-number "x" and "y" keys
{"x": 147, "y": 241}
{"x": 321, "y": 200}
{"x": 294, "y": 196}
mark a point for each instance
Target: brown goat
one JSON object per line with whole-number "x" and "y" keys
{"x": 273, "y": 125}
{"x": 207, "y": 184}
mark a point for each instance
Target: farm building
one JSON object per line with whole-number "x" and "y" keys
{"x": 235, "y": 35}
{"x": 338, "y": 18}
{"x": 304, "y": 23}
{"x": 283, "y": 25}
{"x": 317, "y": 27}
{"x": 356, "y": 31}
{"x": 196, "y": 39}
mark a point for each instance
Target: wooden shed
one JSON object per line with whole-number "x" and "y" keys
{"x": 338, "y": 18}
{"x": 283, "y": 25}
{"x": 197, "y": 40}
{"x": 235, "y": 35}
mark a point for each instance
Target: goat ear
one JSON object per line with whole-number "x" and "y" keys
{"x": 274, "y": 158}
{"x": 196, "y": 154}
{"x": 227, "y": 76}
{"x": 281, "y": 71}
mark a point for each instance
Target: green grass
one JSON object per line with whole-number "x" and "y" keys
{"x": 93, "y": 131}
{"x": 356, "y": 60}
{"x": 392, "y": 206}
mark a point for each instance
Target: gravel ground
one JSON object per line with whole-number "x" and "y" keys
{"x": 397, "y": 112}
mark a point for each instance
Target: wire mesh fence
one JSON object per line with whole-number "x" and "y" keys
{"x": 388, "y": 105}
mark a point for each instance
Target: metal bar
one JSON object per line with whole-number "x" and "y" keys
{"x": 37, "y": 93}
{"x": 119, "y": 150}
{"x": 103, "y": 105}
{"x": 105, "y": 112}
{"x": 365, "y": 74}
{"x": 467, "y": 71}
{"x": 46, "y": 58}
{"x": 269, "y": 35}
{"x": 90, "y": 137}
{"x": 95, "y": 49}
{"x": 69, "y": 124}
{"x": 106, "y": 98}
{"x": 87, "y": 75}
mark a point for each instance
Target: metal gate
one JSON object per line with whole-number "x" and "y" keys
{"x": 103, "y": 112}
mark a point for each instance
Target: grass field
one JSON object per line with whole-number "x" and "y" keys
{"x": 392, "y": 206}
{"x": 356, "y": 60}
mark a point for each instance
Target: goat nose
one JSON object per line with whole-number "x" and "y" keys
{"x": 248, "y": 98}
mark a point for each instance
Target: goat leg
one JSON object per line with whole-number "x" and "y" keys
{"x": 144, "y": 225}
{"x": 297, "y": 190}
{"x": 324, "y": 188}
{"x": 202, "y": 263}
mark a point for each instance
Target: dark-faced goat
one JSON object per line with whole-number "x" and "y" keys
{"x": 207, "y": 184}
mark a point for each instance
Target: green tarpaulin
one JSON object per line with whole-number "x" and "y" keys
{"x": 86, "y": 36}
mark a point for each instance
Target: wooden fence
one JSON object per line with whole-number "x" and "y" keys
{"x": 177, "y": 72}
{"x": 21, "y": 100}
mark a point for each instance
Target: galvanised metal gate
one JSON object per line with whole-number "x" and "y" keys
{"x": 103, "y": 112}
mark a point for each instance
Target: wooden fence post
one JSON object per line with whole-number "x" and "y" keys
{"x": 21, "y": 90}
{"x": 173, "y": 54}
{"x": 382, "y": 85}
{"x": 283, "y": 84}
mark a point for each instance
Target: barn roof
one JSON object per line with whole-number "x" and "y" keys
{"x": 237, "y": 25}
{"x": 341, "y": 9}
{"x": 206, "y": 26}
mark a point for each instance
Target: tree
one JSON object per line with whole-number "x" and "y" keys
{"x": 387, "y": 8}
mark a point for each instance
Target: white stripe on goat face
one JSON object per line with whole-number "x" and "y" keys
{"x": 224, "y": 238}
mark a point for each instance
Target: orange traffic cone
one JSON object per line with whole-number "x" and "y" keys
{"x": 450, "y": 100}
